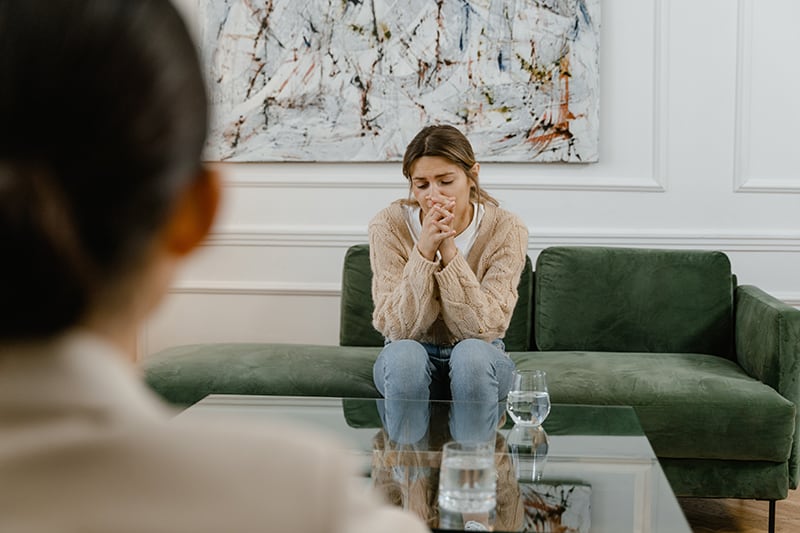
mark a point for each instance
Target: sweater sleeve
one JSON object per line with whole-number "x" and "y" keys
{"x": 482, "y": 308}
{"x": 403, "y": 286}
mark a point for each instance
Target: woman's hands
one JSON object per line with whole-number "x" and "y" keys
{"x": 438, "y": 231}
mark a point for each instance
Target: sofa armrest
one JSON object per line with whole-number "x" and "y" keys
{"x": 767, "y": 340}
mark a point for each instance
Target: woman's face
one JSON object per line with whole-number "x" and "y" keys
{"x": 435, "y": 179}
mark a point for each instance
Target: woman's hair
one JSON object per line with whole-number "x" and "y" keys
{"x": 102, "y": 124}
{"x": 448, "y": 142}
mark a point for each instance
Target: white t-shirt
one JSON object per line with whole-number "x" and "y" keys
{"x": 464, "y": 240}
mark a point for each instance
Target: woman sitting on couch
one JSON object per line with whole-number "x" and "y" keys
{"x": 446, "y": 263}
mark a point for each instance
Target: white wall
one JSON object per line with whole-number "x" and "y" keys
{"x": 699, "y": 107}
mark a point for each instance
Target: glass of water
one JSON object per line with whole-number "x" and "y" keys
{"x": 528, "y": 446}
{"x": 528, "y": 400}
{"x": 467, "y": 485}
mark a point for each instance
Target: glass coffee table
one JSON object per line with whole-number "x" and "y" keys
{"x": 589, "y": 469}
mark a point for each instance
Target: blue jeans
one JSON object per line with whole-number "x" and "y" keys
{"x": 472, "y": 371}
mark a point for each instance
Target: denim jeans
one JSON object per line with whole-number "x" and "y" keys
{"x": 473, "y": 371}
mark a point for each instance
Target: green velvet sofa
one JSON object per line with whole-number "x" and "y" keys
{"x": 712, "y": 368}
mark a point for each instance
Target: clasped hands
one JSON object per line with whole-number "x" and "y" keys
{"x": 438, "y": 230}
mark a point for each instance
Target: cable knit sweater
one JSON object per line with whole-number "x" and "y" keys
{"x": 471, "y": 297}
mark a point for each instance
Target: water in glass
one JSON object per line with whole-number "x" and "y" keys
{"x": 528, "y": 400}
{"x": 527, "y": 407}
{"x": 467, "y": 485}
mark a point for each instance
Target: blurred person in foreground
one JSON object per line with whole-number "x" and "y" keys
{"x": 102, "y": 196}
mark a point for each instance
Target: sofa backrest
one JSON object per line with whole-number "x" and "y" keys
{"x": 355, "y": 325}
{"x": 633, "y": 300}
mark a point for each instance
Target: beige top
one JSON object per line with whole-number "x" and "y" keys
{"x": 86, "y": 447}
{"x": 471, "y": 297}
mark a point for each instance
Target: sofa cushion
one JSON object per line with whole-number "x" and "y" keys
{"x": 184, "y": 375}
{"x": 634, "y": 300}
{"x": 355, "y": 322}
{"x": 355, "y": 326}
{"x": 689, "y": 405}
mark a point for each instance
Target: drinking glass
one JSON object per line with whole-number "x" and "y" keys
{"x": 528, "y": 446}
{"x": 467, "y": 485}
{"x": 528, "y": 401}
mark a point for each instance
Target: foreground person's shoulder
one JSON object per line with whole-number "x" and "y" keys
{"x": 306, "y": 480}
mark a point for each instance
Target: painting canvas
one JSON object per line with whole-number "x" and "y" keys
{"x": 557, "y": 507}
{"x": 354, "y": 80}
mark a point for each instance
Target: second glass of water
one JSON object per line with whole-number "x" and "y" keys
{"x": 529, "y": 399}
{"x": 467, "y": 485}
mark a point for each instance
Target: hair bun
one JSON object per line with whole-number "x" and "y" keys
{"x": 44, "y": 278}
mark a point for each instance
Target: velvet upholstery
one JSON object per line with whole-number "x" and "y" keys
{"x": 699, "y": 394}
{"x": 711, "y": 369}
{"x": 355, "y": 322}
{"x": 767, "y": 344}
{"x": 711, "y": 478}
{"x": 184, "y": 375}
{"x": 633, "y": 300}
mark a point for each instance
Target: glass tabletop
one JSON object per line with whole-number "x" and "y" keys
{"x": 588, "y": 467}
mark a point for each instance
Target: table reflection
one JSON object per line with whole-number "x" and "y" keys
{"x": 407, "y": 456}
{"x": 528, "y": 446}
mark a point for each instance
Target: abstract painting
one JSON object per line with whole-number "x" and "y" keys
{"x": 557, "y": 507}
{"x": 355, "y": 80}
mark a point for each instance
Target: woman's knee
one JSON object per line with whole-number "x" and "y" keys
{"x": 479, "y": 369}
{"x": 401, "y": 370}
{"x": 474, "y": 353}
{"x": 404, "y": 353}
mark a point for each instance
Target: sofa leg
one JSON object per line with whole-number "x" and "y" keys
{"x": 772, "y": 516}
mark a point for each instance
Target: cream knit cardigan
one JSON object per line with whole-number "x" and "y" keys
{"x": 470, "y": 298}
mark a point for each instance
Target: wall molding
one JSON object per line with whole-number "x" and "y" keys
{"x": 257, "y": 288}
{"x": 288, "y": 236}
{"x": 661, "y": 41}
{"x": 392, "y": 181}
{"x": 346, "y": 236}
{"x": 743, "y": 181}
{"x": 292, "y": 175}
{"x": 741, "y": 123}
{"x": 790, "y": 298}
{"x": 724, "y": 241}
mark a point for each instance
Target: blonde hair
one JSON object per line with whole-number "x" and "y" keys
{"x": 448, "y": 142}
